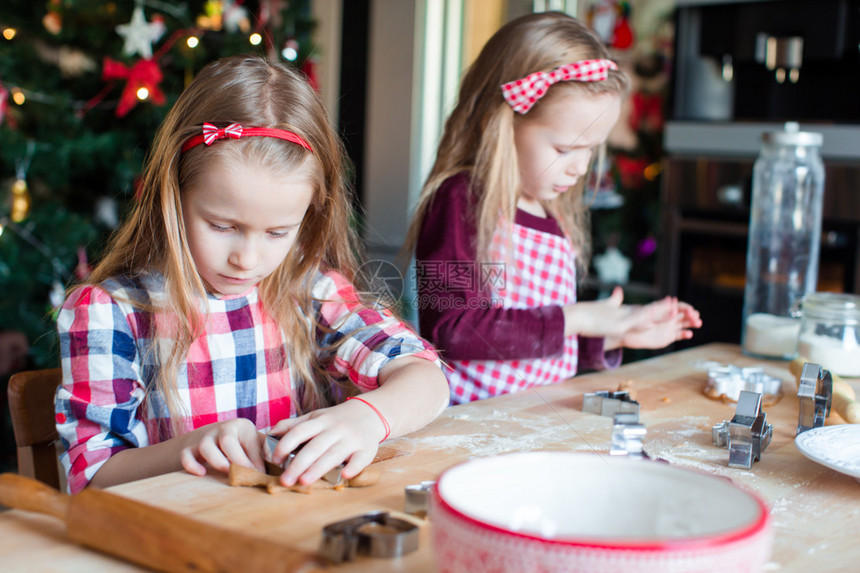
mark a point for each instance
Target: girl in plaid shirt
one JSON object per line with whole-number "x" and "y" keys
{"x": 224, "y": 305}
{"x": 501, "y": 228}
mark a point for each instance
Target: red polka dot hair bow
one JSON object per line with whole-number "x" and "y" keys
{"x": 523, "y": 94}
{"x": 211, "y": 133}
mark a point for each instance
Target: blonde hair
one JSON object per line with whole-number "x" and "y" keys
{"x": 254, "y": 93}
{"x": 479, "y": 134}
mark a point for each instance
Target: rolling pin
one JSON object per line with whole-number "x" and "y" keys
{"x": 843, "y": 401}
{"x": 151, "y": 536}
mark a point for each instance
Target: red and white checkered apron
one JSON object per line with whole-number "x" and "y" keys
{"x": 544, "y": 274}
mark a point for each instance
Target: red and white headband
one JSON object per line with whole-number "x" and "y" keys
{"x": 211, "y": 134}
{"x": 523, "y": 94}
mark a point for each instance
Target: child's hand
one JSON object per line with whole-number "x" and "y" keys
{"x": 349, "y": 431}
{"x": 668, "y": 328}
{"x": 604, "y": 318}
{"x": 653, "y": 325}
{"x": 220, "y": 444}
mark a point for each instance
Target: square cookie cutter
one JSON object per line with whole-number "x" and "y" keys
{"x": 815, "y": 393}
{"x": 627, "y": 435}
{"x": 333, "y": 476}
{"x": 607, "y": 403}
{"x": 747, "y": 435}
{"x": 417, "y": 497}
{"x": 627, "y": 432}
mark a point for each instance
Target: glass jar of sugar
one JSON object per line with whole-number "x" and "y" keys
{"x": 830, "y": 332}
{"x": 784, "y": 239}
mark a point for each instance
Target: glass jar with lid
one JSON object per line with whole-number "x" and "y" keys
{"x": 830, "y": 331}
{"x": 784, "y": 239}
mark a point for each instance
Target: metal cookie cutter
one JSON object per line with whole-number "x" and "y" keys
{"x": 416, "y": 498}
{"x": 606, "y": 403}
{"x": 747, "y": 435}
{"x": 627, "y": 434}
{"x": 729, "y": 380}
{"x": 333, "y": 476}
{"x": 815, "y": 392}
{"x": 375, "y": 534}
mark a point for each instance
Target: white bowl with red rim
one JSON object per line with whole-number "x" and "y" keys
{"x": 565, "y": 511}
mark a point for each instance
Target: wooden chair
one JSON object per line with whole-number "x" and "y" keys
{"x": 31, "y": 405}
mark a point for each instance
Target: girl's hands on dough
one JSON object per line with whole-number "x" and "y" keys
{"x": 220, "y": 444}
{"x": 347, "y": 432}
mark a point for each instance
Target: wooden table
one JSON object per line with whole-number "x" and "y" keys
{"x": 814, "y": 510}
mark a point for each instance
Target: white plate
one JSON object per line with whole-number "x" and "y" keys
{"x": 837, "y": 447}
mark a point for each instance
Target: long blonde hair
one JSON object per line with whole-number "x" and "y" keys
{"x": 479, "y": 134}
{"x": 255, "y": 93}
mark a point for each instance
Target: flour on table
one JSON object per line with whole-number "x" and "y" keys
{"x": 493, "y": 432}
{"x": 489, "y": 444}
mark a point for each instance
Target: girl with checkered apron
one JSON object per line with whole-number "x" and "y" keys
{"x": 224, "y": 306}
{"x": 501, "y": 229}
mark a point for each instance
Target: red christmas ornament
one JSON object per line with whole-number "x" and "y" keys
{"x": 623, "y": 34}
{"x": 143, "y": 74}
{"x": 647, "y": 112}
{"x": 631, "y": 171}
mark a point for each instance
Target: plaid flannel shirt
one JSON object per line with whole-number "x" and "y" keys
{"x": 237, "y": 369}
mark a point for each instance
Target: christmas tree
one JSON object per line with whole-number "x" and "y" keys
{"x": 83, "y": 86}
